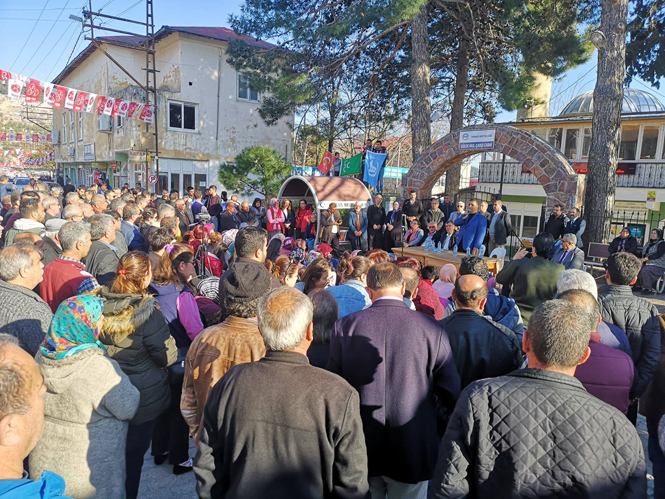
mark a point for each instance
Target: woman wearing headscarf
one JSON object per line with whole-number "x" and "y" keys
{"x": 653, "y": 262}
{"x": 87, "y": 404}
{"x": 259, "y": 211}
{"x": 446, "y": 283}
{"x": 275, "y": 218}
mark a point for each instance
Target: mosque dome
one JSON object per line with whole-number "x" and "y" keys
{"x": 634, "y": 101}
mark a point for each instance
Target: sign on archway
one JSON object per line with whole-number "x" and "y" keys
{"x": 551, "y": 168}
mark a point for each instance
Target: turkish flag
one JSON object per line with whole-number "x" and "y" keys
{"x": 101, "y": 104}
{"x": 59, "y": 99}
{"x": 32, "y": 92}
{"x": 80, "y": 101}
{"x": 147, "y": 115}
{"x": 133, "y": 106}
{"x": 116, "y": 107}
{"x": 326, "y": 163}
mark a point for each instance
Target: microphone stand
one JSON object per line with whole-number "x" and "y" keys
{"x": 403, "y": 231}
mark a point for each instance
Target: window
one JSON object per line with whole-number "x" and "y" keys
{"x": 175, "y": 182}
{"x": 80, "y": 135}
{"x": 72, "y": 126}
{"x": 628, "y": 147}
{"x": 186, "y": 181}
{"x": 244, "y": 92}
{"x": 201, "y": 180}
{"x": 554, "y": 137}
{"x": 182, "y": 116}
{"x": 530, "y": 228}
{"x": 64, "y": 127}
{"x": 571, "y": 143}
{"x": 120, "y": 122}
{"x": 540, "y": 132}
{"x": 649, "y": 142}
{"x": 586, "y": 143}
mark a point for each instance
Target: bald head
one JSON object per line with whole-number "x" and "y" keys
{"x": 470, "y": 292}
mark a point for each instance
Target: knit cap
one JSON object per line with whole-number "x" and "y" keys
{"x": 247, "y": 281}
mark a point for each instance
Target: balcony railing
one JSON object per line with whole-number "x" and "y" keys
{"x": 646, "y": 175}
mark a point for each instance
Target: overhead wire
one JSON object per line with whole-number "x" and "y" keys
{"x": 31, "y": 32}
{"x": 57, "y": 59}
{"x": 45, "y": 37}
{"x": 54, "y": 45}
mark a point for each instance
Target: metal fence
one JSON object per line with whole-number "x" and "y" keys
{"x": 640, "y": 223}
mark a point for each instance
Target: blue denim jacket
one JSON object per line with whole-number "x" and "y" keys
{"x": 351, "y": 297}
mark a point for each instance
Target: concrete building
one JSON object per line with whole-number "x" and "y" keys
{"x": 207, "y": 114}
{"x": 641, "y": 169}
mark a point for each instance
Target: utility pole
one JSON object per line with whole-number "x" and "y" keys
{"x": 610, "y": 40}
{"x": 150, "y": 88}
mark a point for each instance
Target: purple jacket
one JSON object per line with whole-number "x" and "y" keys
{"x": 608, "y": 374}
{"x": 400, "y": 362}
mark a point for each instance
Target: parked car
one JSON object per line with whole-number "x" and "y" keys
{"x": 20, "y": 183}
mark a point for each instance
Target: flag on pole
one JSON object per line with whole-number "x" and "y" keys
{"x": 326, "y": 163}
{"x": 373, "y": 167}
{"x": 351, "y": 166}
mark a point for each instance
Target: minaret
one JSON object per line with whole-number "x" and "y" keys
{"x": 541, "y": 94}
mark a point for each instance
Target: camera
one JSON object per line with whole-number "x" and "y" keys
{"x": 204, "y": 216}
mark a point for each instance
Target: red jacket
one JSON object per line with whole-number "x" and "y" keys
{"x": 427, "y": 300}
{"x": 302, "y": 218}
{"x": 62, "y": 279}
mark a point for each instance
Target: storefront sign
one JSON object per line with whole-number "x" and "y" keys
{"x": 651, "y": 196}
{"x": 137, "y": 157}
{"x": 477, "y": 139}
{"x": 89, "y": 152}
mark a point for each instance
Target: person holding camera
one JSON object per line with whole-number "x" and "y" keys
{"x": 532, "y": 278}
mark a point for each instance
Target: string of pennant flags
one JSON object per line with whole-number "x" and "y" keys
{"x": 23, "y": 158}
{"x": 27, "y": 137}
{"x": 60, "y": 97}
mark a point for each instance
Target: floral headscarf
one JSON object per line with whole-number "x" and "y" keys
{"x": 74, "y": 327}
{"x": 298, "y": 254}
{"x": 311, "y": 256}
{"x": 229, "y": 236}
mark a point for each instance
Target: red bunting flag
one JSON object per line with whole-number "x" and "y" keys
{"x": 59, "y": 99}
{"x": 89, "y": 103}
{"x": 116, "y": 107}
{"x": 70, "y": 98}
{"x": 49, "y": 93}
{"x": 326, "y": 163}
{"x": 32, "y": 92}
{"x": 19, "y": 137}
{"x": 80, "y": 101}
{"x": 124, "y": 107}
{"x": 35, "y": 138}
{"x": 101, "y": 104}
{"x": 147, "y": 116}
{"x": 14, "y": 88}
{"x": 48, "y": 138}
{"x": 3, "y": 136}
{"x": 108, "y": 107}
{"x": 133, "y": 106}
{"x": 5, "y": 75}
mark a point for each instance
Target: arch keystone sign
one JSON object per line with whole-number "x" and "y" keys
{"x": 551, "y": 168}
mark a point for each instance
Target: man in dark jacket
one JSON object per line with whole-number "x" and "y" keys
{"x": 376, "y": 217}
{"x": 533, "y": 280}
{"x": 608, "y": 373}
{"x": 399, "y": 378}
{"x": 413, "y": 207}
{"x": 636, "y": 316}
{"x": 499, "y": 227}
{"x": 102, "y": 259}
{"x": 433, "y": 214}
{"x": 228, "y": 219}
{"x": 482, "y": 348}
{"x": 447, "y": 236}
{"x": 537, "y": 432}
{"x": 279, "y": 427}
{"x": 556, "y": 222}
{"x": 447, "y": 207}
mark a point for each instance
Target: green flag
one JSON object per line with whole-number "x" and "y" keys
{"x": 351, "y": 166}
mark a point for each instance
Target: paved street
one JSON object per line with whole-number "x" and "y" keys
{"x": 159, "y": 482}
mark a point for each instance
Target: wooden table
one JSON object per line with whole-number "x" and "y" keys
{"x": 494, "y": 265}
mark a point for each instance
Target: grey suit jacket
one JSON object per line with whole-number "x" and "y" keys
{"x": 574, "y": 259}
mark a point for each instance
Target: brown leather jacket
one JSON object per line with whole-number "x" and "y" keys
{"x": 216, "y": 350}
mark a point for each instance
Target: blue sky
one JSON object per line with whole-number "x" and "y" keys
{"x": 40, "y": 49}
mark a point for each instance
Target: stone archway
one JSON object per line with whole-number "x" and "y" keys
{"x": 554, "y": 172}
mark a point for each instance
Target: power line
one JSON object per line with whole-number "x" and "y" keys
{"x": 31, "y": 32}
{"x": 36, "y": 21}
{"x": 44, "y": 39}
{"x": 57, "y": 60}
{"x": 73, "y": 49}
{"x": 55, "y": 44}
{"x": 649, "y": 88}
{"x": 27, "y": 10}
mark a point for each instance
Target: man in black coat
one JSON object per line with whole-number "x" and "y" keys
{"x": 229, "y": 218}
{"x": 537, "y": 432}
{"x": 279, "y": 427}
{"x": 634, "y": 315}
{"x": 499, "y": 227}
{"x": 556, "y": 222}
{"x": 400, "y": 362}
{"x": 482, "y": 348}
{"x": 376, "y": 217}
{"x": 447, "y": 236}
{"x": 413, "y": 208}
{"x": 102, "y": 259}
{"x": 433, "y": 214}
{"x": 447, "y": 207}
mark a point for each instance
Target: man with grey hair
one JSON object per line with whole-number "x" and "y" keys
{"x": 610, "y": 334}
{"x": 130, "y": 215}
{"x": 295, "y": 429}
{"x": 568, "y": 254}
{"x": 21, "y": 424}
{"x": 51, "y": 207}
{"x": 358, "y": 227}
{"x": 72, "y": 198}
{"x": 537, "y": 432}
{"x": 99, "y": 203}
{"x": 23, "y": 313}
{"x": 102, "y": 259}
{"x": 401, "y": 363}
{"x": 67, "y": 275}
{"x": 72, "y": 213}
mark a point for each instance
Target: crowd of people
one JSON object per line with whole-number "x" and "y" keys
{"x": 131, "y": 322}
